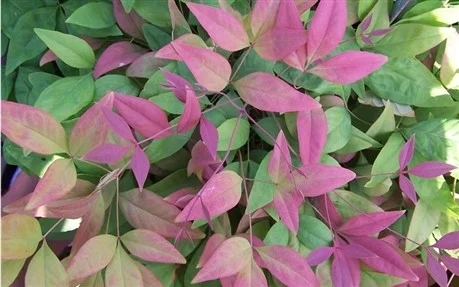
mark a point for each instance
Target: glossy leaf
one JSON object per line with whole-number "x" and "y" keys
{"x": 118, "y": 125}
{"x": 20, "y": 236}
{"x": 212, "y": 245}
{"x": 117, "y": 55}
{"x": 140, "y": 166}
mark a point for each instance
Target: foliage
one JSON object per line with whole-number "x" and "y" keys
{"x": 232, "y": 142}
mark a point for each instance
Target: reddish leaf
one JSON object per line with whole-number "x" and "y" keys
{"x": 145, "y": 66}
{"x": 221, "y": 193}
{"x": 356, "y": 251}
{"x": 48, "y": 57}
{"x": 287, "y": 204}
{"x": 370, "y": 223}
{"x": 107, "y": 153}
{"x": 131, "y": 23}
{"x": 312, "y": 134}
{"x": 269, "y": 93}
{"x": 118, "y": 125}
{"x": 278, "y": 43}
{"x": 431, "y": 169}
{"x": 287, "y": 266}
{"x": 140, "y": 166}
{"x": 142, "y": 115}
{"x": 407, "y": 187}
{"x": 181, "y": 197}
{"x": 168, "y": 52}
{"x": 451, "y": 263}
{"x": 319, "y": 255}
{"x": 251, "y": 276}
{"x": 436, "y": 270}
{"x": 229, "y": 258}
{"x": 406, "y": 153}
{"x": 326, "y": 206}
{"x": 225, "y": 30}
{"x": 280, "y": 160}
{"x": 33, "y": 129}
{"x": 348, "y": 67}
{"x": 211, "y": 246}
{"x": 209, "y": 135}
{"x": 191, "y": 113}
{"x": 345, "y": 272}
{"x": 177, "y": 84}
{"x": 448, "y": 241}
{"x": 117, "y": 55}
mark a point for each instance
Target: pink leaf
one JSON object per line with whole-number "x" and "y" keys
{"x": 451, "y": 263}
{"x": 345, "y": 272}
{"x": 406, "y": 153}
{"x": 251, "y": 276}
{"x": 431, "y": 169}
{"x": 349, "y": 66}
{"x": 140, "y": 166}
{"x": 448, "y": 241}
{"x": 297, "y": 59}
{"x": 107, "y": 153}
{"x": 191, "y": 113}
{"x": 312, "y": 134}
{"x": 380, "y": 32}
{"x": 118, "y": 125}
{"x": 269, "y": 93}
{"x": 319, "y": 255}
{"x": 209, "y": 135}
{"x": 177, "y": 84}
{"x": 288, "y": 15}
{"x": 263, "y": 16}
{"x": 356, "y": 251}
{"x": 326, "y": 206}
{"x": 48, "y": 57}
{"x": 142, "y": 115}
{"x": 181, "y": 197}
{"x": 370, "y": 223}
{"x": 117, "y": 55}
{"x": 280, "y": 160}
{"x": 200, "y": 158}
{"x": 366, "y": 23}
{"x": 287, "y": 204}
{"x": 168, "y": 52}
{"x": 210, "y": 69}
{"x": 225, "y": 30}
{"x": 326, "y": 29}
{"x": 211, "y": 246}
{"x": 304, "y": 5}
{"x": 278, "y": 43}
{"x": 407, "y": 187}
{"x": 436, "y": 270}
{"x": 229, "y": 258}
{"x": 221, "y": 193}
{"x": 145, "y": 66}
{"x": 131, "y": 23}
{"x": 148, "y": 278}
{"x": 287, "y": 266}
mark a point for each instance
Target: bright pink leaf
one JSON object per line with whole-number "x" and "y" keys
{"x": 269, "y": 93}
{"x": 191, "y": 113}
{"x": 278, "y": 43}
{"x": 229, "y": 258}
{"x": 287, "y": 204}
{"x": 436, "y": 270}
{"x": 326, "y": 29}
{"x": 345, "y": 272}
{"x": 297, "y": 59}
{"x": 168, "y": 52}
{"x": 131, "y": 23}
{"x": 348, "y": 67}
{"x": 287, "y": 266}
{"x": 142, "y": 115}
{"x": 177, "y": 84}
{"x": 406, "y": 153}
{"x": 370, "y": 223}
{"x": 356, "y": 251}
{"x": 407, "y": 188}
{"x": 107, "y": 153}
{"x": 431, "y": 169}
{"x": 140, "y": 166}
{"x": 263, "y": 16}
{"x": 117, "y": 55}
{"x": 304, "y": 5}
{"x": 451, "y": 263}
{"x": 209, "y": 135}
{"x": 211, "y": 246}
{"x": 145, "y": 66}
{"x": 48, "y": 57}
{"x": 221, "y": 193}
{"x": 251, "y": 276}
{"x": 312, "y": 134}
{"x": 181, "y": 197}
{"x": 326, "y": 206}
{"x": 200, "y": 158}
{"x": 280, "y": 160}
{"x": 118, "y": 125}
{"x": 448, "y": 241}
{"x": 319, "y": 255}
{"x": 225, "y": 30}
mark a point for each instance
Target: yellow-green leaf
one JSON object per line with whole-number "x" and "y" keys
{"x": 20, "y": 236}
{"x": 122, "y": 271}
{"x": 10, "y": 270}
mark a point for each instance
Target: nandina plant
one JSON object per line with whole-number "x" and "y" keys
{"x": 232, "y": 142}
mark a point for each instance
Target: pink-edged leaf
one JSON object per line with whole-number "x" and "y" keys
{"x": 191, "y": 113}
{"x": 201, "y": 157}
{"x": 287, "y": 266}
{"x": 317, "y": 179}
{"x": 448, "y": 241}
{"x": 209, "y": 135}
{"x": 210, "y": 69}
{"x": 91, "y": 128}
{"x": 348, "y": 67}
{"x": 269, "y": 93}
{"x": 225, "y": 30}
{"x": 142, "y": 115}
{"x": 48, "y": 57}
{"x": 380, "y": 32}
{"x": 406, "y": 153}
{"x": 451, "y": 263}
{"x": 319, "y": 255}
{"x": 431, "y": 169}
{"x": 356, "y": 251}
{"x": 263, "y": 16}
{"x": 287, "y": 204}
{"x": 345, "y": 272}
{"x": 145, "y": 66}
{"x": 278, "y": 43}
{"x": 221, "y": 193}
{"x": 107, "y": 153}
{"x": 436, "y": 270}
{"x": 117, "y": 55}
{"x": 211, "y": 246}
{"x": 387, "y": 261}
{"x": 59, "y": 179}
{"x": 33, "y": 129}
{"x": 229, "y": 258}
{"x": 370, "y": 223}
{"x": 140, "y": 166}
{"x": 407, "y": 188}
{"x": 366, "y": 23}
{"x": 367, "y": 40}
{"x": 312, "y": 134}
{"x": 251, "y": 276}
{"x": 181, "y": 197}
{"x": 280, "y": 160}
{"x": 150, "y": 246}
{"x": 149, "y": 279}
{"x": 326, "y": 29}
{"x": 177, "y": 84}
{"x": 118, "y": 125}
{"x": 297, "y": 59}
{"x": 168, "y": 52}
{"x": 131, "y": 23}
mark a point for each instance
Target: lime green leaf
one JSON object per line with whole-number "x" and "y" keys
{"x": 383, "y": 126}
{"x": 263, "y": 188}
{"x": 339, "y": 128}
{"x": 115, "y": 83}
{"x": 437, "y": 17}
{"x": 233, "y": 134}
{"x": 10, "y": 270}
{"x": 20, "y": 236}
{"x": 423, "y": 222}
{"x": 376, "y": 279}
{"x": 359, "y": 141}
{"x": 346, "y": 201}
{"x": 278, "y": 234}
{"x": 313, "y": 233}
{"x": 96, "y": 15}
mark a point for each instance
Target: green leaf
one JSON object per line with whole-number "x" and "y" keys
{"x": 96, "y": 15}
{"x": 173, "y": 182}
{"x": 252, "y": 63}
{"x": 45, "y": 269}
{"x": 157, "y": 14}
{"x": 269, "y": 125}
{"x": 12, "y": 10}
{"x": 278, "y": 234}
{"x": 346, "y": 203}
{"x": 365, "y": 7}
{"x": 128, "y": 5}
{"x": 376, "y": 279}
{"x": 40, "y": 81}
{"x": 263, "y": 188}
{"x": 233, "y": 134}
{"x": 72, "y": 50}
{"x": 383, "y": 126}
{"x": 313, "y": 233}
{"x": 23, "y": 87}
{"x": 122, "y": 271}
{"x": 423, "y": 222}
{"x": 436, "y": 17}
{"x": 339, "y": 128}
{"x": 20, "y": 236}
{"x": 169, "y": 103}
{"x": 25, "y": 44}
{"x": 156, "y": 38}
{"x": 408, "y": 81}
{"x": 7, "y": 84}
{"x": 10, "y": 270}
{"x": 115, "y": 83}
{"x": 359, "y": 141}
{"x": 379, "y": 20}
{"x": 67, "y": 96}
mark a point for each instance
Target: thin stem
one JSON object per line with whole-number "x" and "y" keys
{"x": 377, "y": 174}
{"x": 94, "y": 164}
{"x": 244, "y": 57}
{"x": 117, "y": 207}
{"x": 52, "y": 228}
{"x": 247, "y": 199}
{"x": 108, "y": 219}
